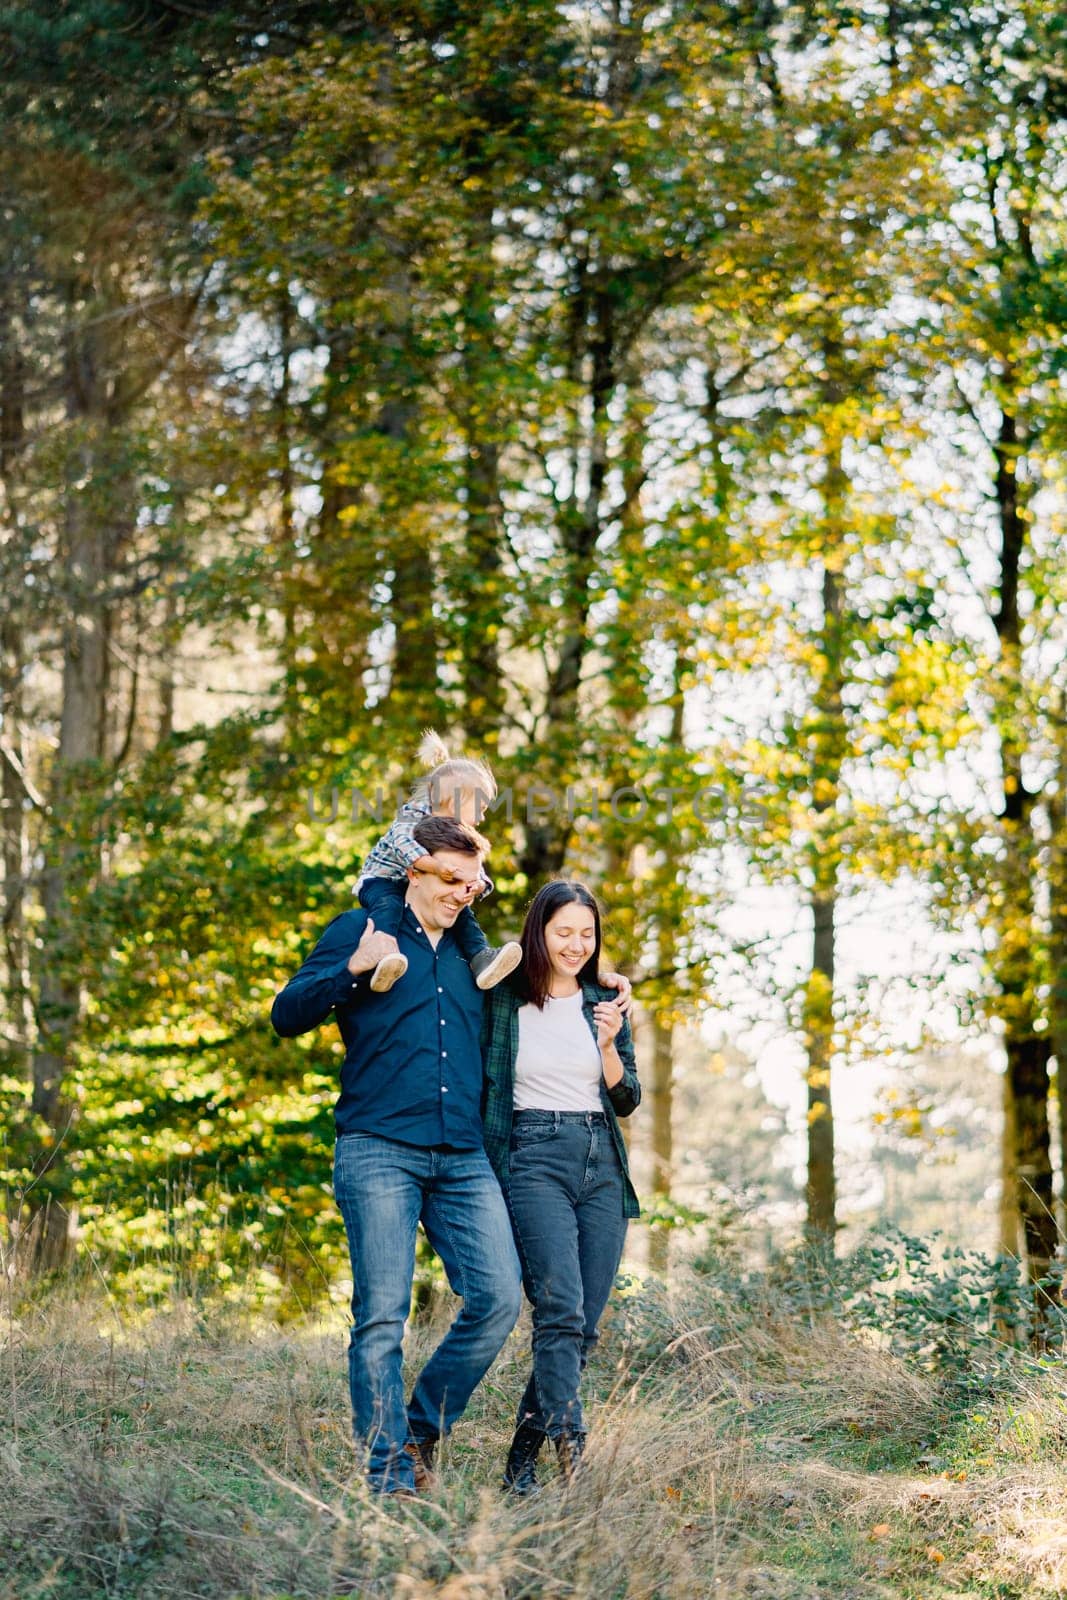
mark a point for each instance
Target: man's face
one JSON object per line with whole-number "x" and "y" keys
{"x": 437, "y": 898}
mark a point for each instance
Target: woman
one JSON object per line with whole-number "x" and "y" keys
{"x": 559, "y": 1068}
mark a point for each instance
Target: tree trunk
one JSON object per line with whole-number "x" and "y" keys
{"x": 482, "y": 559}
{"x": 827, "y": 745}
{"x": 593, "y": 351}
{"x": 1009, "y": 1222}
{"x": 16, "y": 789}
{"x": 483, "y": 692}
{"x": 661, "y": 891}
{"x": 283, "y": 446}
{"x": 94, "y": 533}
{"x": 661, "y": 1096}
{"x": 821, "y": 1187}
{"x": 16, "y": 792}
{"x": 1028, "y": 1161}
{"x": 81, "y": 745}
{"x": 1028, "y": 1070}
{"x": 414, "y": 681}
{"x": 327, "y": 603}
{"x": 170, "y": 637}
{"x": 1057, "y": 808}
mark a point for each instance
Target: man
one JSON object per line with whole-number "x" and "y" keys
{"x": 409, "y": 1149}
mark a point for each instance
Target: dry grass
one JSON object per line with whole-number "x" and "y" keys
{"x": 734, "y": 1454}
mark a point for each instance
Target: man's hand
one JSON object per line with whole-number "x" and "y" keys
{"x": 370, "y": 950}
{"x": 625, "y": 1001}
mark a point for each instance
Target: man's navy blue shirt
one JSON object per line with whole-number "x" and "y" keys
{"x": 413, "y": 1066}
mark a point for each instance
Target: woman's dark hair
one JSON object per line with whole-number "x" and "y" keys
{"x": 535, "y": 975}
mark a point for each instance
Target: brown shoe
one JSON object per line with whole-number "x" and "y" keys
{"x": 421, "y": 1453}
{"x": 570, "y": 1447}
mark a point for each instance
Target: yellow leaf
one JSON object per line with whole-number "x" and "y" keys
{"x": 880, "y": 1530}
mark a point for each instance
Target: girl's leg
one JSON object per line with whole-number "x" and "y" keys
{"x": 529, "y": 1408}
{"x": 487, "y": 964}
{"x": 469, "y": 936}
{"x": 602, "y": 1229}
{"x": 383, "y": 899}
{"x": 601, "y": 1234}
{"x": 548, "y": 1160}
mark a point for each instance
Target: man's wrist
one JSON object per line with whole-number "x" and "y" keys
{"x": 347, "y": 979}
{"x": 360, "y": 962}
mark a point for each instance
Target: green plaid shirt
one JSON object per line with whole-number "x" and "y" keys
{"x": 500, "y": 1046}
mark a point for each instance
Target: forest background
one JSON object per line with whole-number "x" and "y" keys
{"x": 665, "y": 402}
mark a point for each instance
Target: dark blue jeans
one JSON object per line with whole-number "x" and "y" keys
{"x": 565, "y": 1194}
{"x": 383, "y": 1190}
{"x": 384, "y": 899}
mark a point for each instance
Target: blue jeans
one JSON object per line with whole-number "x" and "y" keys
{"x": 565, "y": 1194}
{"x": 384, "y": 1189}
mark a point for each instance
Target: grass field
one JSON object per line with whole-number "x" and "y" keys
{"x": 736, "y": 1450}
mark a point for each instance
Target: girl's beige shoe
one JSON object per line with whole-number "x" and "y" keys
{"x": 388, "y": 971}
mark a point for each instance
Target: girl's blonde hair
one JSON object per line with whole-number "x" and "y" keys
{"x": 447, "y": 774}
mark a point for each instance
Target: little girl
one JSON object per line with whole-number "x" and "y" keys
{"x": 453, "y": 787}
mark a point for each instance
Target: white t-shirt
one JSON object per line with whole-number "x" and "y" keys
{"x": 558, "y": 1067}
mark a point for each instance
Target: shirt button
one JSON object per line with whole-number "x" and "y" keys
{"x": 440, "y": 991}
{"x": 442, "y": 1022}
{"x": 444, "y": 1088}
{"x": 444, "y": 1055}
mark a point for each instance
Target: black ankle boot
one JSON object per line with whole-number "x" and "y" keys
{"x": 569, "y": 1450}
{"x": 520, "y": 1471}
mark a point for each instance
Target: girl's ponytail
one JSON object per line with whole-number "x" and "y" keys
{"x": 432, "y": 750}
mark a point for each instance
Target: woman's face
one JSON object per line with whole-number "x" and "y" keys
{"x": 570, "y": 939}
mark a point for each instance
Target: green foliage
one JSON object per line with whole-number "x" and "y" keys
{"x": 955, "y": 1312}
{"x": 622, "y": 389}
{"x": 963, "y": 1313}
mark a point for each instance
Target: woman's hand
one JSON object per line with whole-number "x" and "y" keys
{"x": 607, "y": 1014}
